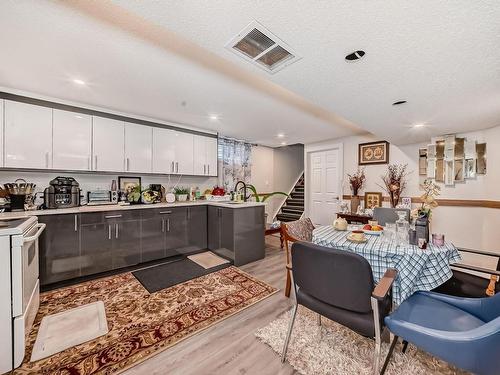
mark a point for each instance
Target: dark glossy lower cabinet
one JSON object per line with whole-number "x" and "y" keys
{"x": 237, "y": 234}
{"x": 59, "y": 248}
{"x": 84, "y": 244}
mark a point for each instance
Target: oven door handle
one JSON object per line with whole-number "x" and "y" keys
{"x": 41, "y": 227}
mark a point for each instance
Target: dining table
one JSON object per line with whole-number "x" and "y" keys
{"x": 418, "y": 269}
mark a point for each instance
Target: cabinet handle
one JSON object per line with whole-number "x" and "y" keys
{"x": 47, "y": 159}
{"x": 76, "y": 223}
{"x": 109, "y": 231}
{"x": 172, "y": 167}
{"x": 204, "y": 169}
{"x": 95, "y": 162}
{"x": 165, "y": 212}
{"x": 162, "y": 225}
{"x": 112, "y": 216}
{"x": 208, "y": 165}
{"x": 128, "y": 164}
{"x": 168, "y": 225}
{"x": 189, "y": 213}
{"x": 176, "y": 167}
{"x": 116, "y": 230}
{"x": 89, "y": 162}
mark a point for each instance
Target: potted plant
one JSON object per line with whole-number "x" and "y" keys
{"x": 356, "y": 181}
{"x": 395, "y": 182}
{"x": 431, "y": 191}
{"x": 181, "y": 193}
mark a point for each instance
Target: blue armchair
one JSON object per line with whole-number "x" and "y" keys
{"x": 462, "y": 331}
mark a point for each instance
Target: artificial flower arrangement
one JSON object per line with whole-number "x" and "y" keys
{"x": 395, "y": 182}
{"x": 431, "y": 191}
{"x": 356, "y": 181}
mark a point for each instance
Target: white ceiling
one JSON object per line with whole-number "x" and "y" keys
{"x": 442, "y": 57}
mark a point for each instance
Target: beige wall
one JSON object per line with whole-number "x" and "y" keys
{"x": 276, "y": 169}
{"x": 477, "y": 228}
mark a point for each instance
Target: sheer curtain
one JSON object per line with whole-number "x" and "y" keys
{"x": 235, "y": 162}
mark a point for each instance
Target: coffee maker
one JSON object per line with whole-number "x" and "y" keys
{"x": 63, "y": 192}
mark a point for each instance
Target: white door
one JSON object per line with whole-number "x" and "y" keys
{"x": 28, "y": 136}
{"x": 138, "y": 148}
{"x": 324, "y": 185}
{"x": 200, "y": 156}
{"x": 108, "y": 145}
{"x": 211, "y": 152}
{"x": 72, "y": 147}
{"x": 183, "y": 152}
{"x": 163, "y": 151}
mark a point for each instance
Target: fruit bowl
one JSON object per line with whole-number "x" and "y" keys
{"x": 374, "y": 230}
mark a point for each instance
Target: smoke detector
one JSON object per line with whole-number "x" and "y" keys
{"x": 259, "y": 46}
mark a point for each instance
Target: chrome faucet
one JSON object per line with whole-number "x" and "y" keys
{"x": 244, "y": 189}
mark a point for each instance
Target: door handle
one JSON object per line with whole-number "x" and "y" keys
{"x": 109, "y": 231}
{"x": 112, "y": 216}
{"x": 176, "y": 167}
{"x": 116, "y": 230}
{"x": 76, "y": 223}
{"x": 168, "y": 225}
{"x": 41, "y": 227}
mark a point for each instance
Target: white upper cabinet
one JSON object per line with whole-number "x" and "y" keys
{"x": 72, "y": 141}
{"x": 108, "y": 145}
{"x": 172, "y": 152}
{"x": 28, "y": 135}
{"x": 211, "y": 156}
{"x": 205, "y": 156}
{"x": 138, "y": 148}
{"x": 1, "y": 133}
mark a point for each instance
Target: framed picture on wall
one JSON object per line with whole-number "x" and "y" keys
{"x": 373, "y": 153}
{"x": 373, "y": 200}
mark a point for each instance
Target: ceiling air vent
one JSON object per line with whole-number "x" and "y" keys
{"x": 259, "y": 46}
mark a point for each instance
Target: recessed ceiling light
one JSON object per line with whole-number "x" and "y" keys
{"x": 399, "y": 102}
{"x": 356, "y": 55}
{"x": 213, "y": 117}
{"x": 79, "y": 81}
{"x": 280, "y": 135}
{"x": 419, "y": 125}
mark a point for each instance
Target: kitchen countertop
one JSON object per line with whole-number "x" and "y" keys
{"x": 117, "y": 207}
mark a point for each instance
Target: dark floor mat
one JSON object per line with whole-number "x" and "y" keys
{"x": 166, "y": 275}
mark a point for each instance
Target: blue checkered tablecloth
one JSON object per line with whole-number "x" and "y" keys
{"x": 417, "y": 269}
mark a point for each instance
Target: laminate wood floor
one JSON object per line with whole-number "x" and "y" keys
{"x": 230, "y": 346}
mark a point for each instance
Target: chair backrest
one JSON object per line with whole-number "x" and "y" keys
{"x": 299, "y": 230}
{"x": 386, "y": 215}
{"x": 336, "y": 277}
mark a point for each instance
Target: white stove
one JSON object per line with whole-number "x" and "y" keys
{"x": 19, "y": 286}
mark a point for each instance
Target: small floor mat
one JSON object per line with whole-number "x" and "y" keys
{"x": 169, "y": 274}
{"x": 208, "y": 259}
{"x": 69, "y": 328}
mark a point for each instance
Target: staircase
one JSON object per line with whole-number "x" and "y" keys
{"x": 293, "y": 207}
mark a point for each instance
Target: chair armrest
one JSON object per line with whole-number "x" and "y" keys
{"x": 385, "y": 284}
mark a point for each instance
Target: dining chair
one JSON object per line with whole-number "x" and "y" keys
{"x": 465, "y": 284}
{"x": 386, "y": 215}
{"x": 338, "y": 285}
{"x": 294, "y": 231}
{"x": 462, "y": 331}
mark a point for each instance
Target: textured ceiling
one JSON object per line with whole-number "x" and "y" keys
{"x": 147, "y": 57}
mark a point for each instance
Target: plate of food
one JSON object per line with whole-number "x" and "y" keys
{"x": 374, "y": 230}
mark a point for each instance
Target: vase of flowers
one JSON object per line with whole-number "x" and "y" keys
{"x": 395, "y": 182}
{"x": 356, "y": 182}
{"x": 431, "y": 191}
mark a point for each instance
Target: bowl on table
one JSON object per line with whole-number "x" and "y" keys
{"x": 373, "y": 230}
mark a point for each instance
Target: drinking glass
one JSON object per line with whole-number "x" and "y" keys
{"x": 389, "y": 232}
{"x": 402, "y": 228}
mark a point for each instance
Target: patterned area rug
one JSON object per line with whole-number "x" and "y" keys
{"x": 142, "y": 324}
{"x": 334, "y": 349}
